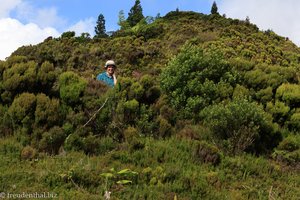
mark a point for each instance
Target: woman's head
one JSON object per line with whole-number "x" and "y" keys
{"x": 110, "y": 67}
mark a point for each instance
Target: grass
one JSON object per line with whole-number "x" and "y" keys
{"x": 166, "y": 168}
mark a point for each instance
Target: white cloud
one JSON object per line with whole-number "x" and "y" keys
{"x": 37, "y": 24}
{"x": 14, "y": 34}
{"x": 43, "y": 17}
{"x": 280, "y": 16}
{"x": 84, "y": 26}
{"x": 7, "y": 6}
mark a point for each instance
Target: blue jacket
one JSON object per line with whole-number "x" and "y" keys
{"x": 108, "y": 80}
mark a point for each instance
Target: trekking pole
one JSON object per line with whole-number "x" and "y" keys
{"x": 96, "y": 113}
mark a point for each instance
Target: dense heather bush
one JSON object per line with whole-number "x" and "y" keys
{"x": 47, "y": 111}
{"x": 52, "y": 140}
{"x": 71, "y": 87}
{"x": 279, "y": 111}
{"x": 207, "y": 153}
{"x": 191, "y": 79}
{"x": 21, "y": 77}
{"x": 28, "y": 153}
{"x": 244, "y": 124}
{"x": 22, "y": 111}
{"x": 47, "y": 75}
{"x": 165, "y": 128}
{"x": 290, "y": 143}
{"x": 6, "y": 127}
{"x": 290, "y": 158}
{"x": 294, "y": 122}
{"x": 289, "y": 93}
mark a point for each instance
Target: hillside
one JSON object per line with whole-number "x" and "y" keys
{"x": 206, "y": 107}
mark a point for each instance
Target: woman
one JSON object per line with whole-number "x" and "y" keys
{"x": 108, "y": 77}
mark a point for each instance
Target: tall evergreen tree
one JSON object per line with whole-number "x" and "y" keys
{"x": 214, "y": 8}
{"x": 136, "y": 14}
{"x": 100, "y": 27}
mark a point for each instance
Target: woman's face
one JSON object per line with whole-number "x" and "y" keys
{"x": 110, "y": 70}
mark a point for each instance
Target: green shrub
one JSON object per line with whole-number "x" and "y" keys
{"x": 240, "y": 92}
{"x": 151, "y": 95}
{"x": 290, "y": 158}
{"x": 10, "y": 147}
{"x": 6, "y": 127}
{"x": 21, "y": 77}
{"x": 74, "y": 142}
{"x": 136, "y": 91}
{"x": 83, "y": 140}
{"x": 188, "y": 132}
{"x": 130, "y": 133}
{"x": 294, "y": 122}
{"x": 90, "y": 144}
{"x": 28, "y": 153}
{"x": 290, "y": 143}
{"x": 207, "y": 153}
{"x": 243, "y": 124}
{"x": 52, "y": 140}
{"x": 279, "y": 111}
{"x": 71, "y": 87}
{"x": 47, "y": 75}
{"x": 47, "y": 111}
{"x": 191, "y": 79}
{"x": 289, "y": 93}
{"x": 150, "y": 31}
{"x": 106, "y": 145}
{"x": 195, "y": 132}
{"x": 265, "y": 95}
{"x": 68, "y": 34}
{"x": 164, "y": 128}
{"x": 22, "y": 110}
{"x": 130, "y": 110}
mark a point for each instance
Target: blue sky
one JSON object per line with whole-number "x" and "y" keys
{"x": 69, "y": 12}
{"x": 24, "y": 22}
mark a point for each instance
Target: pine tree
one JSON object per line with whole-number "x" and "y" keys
{"x": 100, "y": 27}
{"x": 214, "y": 8}
{"x": 136, "y": 14}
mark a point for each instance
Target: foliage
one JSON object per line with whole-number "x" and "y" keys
{"x": 52, "y": 140}
{"x": 244, "y": 125}
{"x": 28, "y": 153}
{"x": 47, "y": 75}
{"x": 71, "y": 87}
{"x": 194, "y": 78}
{"x": 289, "y": 93}
{"x": 293, "y": 123}
{"x": 22, "y": 111}
{"x": 47, "y": 111}
{"x": 68, "y": 34}
{"x": 21, "y": 77}
{"x": 207, "y": 153}
{"x": 100, "y": 27}
{"x": 121, "y": 177}
{"x": 214, "y": 8}
{"x": 122, "y": 22}
{"x": 290, "y": 143}
{"x": 197, "y": 95}
{"x": 288, "y": 150}
{"x": 278, "y": 110}
{"x": 136, "y": 14}
{"x": 6, "y": 127}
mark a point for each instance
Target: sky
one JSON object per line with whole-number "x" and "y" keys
{"x": 24, "y": 22}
